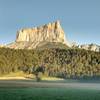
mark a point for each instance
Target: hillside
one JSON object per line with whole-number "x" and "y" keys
{"x": 45, "y": 49}
{"x": 57, "y": 62}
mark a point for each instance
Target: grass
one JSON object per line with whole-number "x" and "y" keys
{"x": 48, "y": 94}
{"x": 48, "y": 90}
{"x": 17, "y": 75}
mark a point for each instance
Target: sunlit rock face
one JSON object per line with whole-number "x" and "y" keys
{"x": 51, "y": 32}
{"x": 48, "y": 35}
{"x": 32, "y": 37}
{"x": 92, "y": 47}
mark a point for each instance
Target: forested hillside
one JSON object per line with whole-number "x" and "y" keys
{"x": 64, "y": 63}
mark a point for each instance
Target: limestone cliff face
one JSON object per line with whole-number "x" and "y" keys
{"x": 49, "y": 35}
{"x": 32, "y": 37}
{"x": 92, "y": 47}
{"x": 51, "y": 32}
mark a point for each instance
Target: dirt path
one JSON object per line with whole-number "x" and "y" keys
{"x": 28, "y": 83}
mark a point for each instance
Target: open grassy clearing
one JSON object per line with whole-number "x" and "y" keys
{"x": 31, "y": 90}
{"x": 25, "y": 76}
{"x": 48, "y": 94}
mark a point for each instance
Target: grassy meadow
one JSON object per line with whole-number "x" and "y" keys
{"x": 48, "y": 94}
{"x": 30, "y": 90}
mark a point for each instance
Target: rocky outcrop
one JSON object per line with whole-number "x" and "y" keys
{"x": 92, "y": 47}
{"x": 32, "y": 37}
{"x": 51, "y": 32}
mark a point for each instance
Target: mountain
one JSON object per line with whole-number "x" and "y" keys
{"x": 50, "y": 49}
{"x": 50, "y": 35}
{"x": 92, "y": 47}
{"x": 31, "y": 38}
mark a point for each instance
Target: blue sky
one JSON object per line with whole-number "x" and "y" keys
{"x": 80, "y": 19}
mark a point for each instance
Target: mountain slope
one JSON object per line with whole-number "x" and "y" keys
{"x": 64, "y": 63}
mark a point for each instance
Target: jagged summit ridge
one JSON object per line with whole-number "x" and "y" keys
{"x": 32, "y": 37}
{"x": 51, "y": 32}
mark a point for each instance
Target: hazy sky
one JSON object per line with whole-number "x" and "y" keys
{"x": 80, "y": 19}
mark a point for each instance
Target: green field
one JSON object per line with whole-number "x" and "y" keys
{"x": 48, "y": 94}
{"x": 46, "y": 91}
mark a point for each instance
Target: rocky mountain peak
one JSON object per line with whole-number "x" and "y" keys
{"x": 32, "y": 37}
{"x": 51, "y": 32}
{"x": 92, "y": 47}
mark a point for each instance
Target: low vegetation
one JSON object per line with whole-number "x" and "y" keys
{"x": 48, "y": 94}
